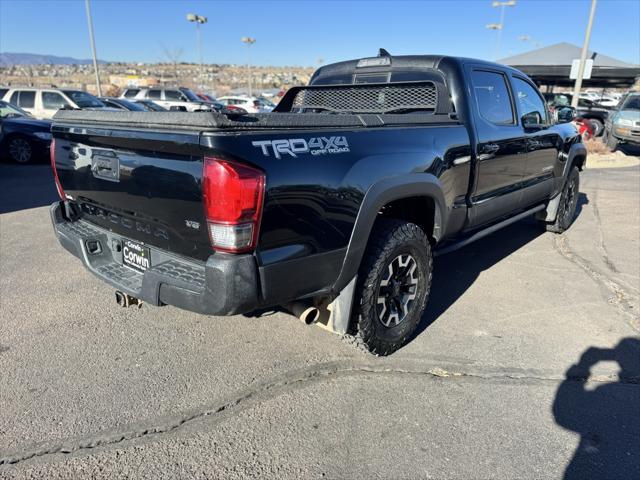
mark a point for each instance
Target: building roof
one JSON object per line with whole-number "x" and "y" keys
{"x": 562, "y": 54}
{"x": 551, "y": 66}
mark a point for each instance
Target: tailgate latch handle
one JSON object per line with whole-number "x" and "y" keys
{"x": 106, "y": 168}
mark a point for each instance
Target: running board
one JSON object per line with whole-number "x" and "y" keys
{"x": 487, "y": 231}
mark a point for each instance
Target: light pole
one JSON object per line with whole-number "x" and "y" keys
{"x": 500, "y": 26}
{"x": 198, "y": 20}
{"x": 93, "y": 47}
{"x": 248, "y": 41}
{"x": 583, "y": 56}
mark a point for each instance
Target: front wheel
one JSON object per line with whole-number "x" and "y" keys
{"x": 568, "y": 203}
{"x": 393, "y": 286}
{"x": 611, "y": 141}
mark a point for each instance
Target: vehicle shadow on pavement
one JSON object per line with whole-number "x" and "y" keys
{"x": 606, "y": 414}
{"x": 26, "y": 186}
{"x": 629, "y": 149}
{"x": 454, "y": 273}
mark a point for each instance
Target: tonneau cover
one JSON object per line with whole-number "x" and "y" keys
{"x": 215, "y": 121}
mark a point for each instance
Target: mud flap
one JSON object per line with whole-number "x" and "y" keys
{"x": 339, "y": 310}
{"x": 551, "y": 212}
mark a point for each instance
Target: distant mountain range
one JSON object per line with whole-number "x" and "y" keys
{"x": 7, "y": 58}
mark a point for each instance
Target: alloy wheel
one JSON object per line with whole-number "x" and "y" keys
{"x": 397, "y": 290}
{"x": 20, "y": 150}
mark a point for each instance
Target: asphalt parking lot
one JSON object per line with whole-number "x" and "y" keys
{"x": 527, "y": 365}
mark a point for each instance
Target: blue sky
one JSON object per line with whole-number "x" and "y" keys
{"x": 302, "y": 31}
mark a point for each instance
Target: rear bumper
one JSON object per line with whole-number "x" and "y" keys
{"x": 223, "y": 285}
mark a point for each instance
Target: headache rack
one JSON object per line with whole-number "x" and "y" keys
{"x": 378, "y": 98}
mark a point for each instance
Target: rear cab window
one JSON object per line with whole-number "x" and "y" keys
{"x": 492, "y": 97}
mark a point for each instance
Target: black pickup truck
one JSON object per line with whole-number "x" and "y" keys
{"x": 333, "y": 205}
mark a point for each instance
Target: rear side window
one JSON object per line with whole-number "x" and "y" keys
{"x": 154, "y": 94}
{"x": 53, "y": 101}
{"x": 492, "y": 97}
{"x": 14, "y": 97}
{"x": 3, "y": 92}
{"x": 27, "y": 99}
{"x": 529, "y": 102}
{"x": 131, "y": 92}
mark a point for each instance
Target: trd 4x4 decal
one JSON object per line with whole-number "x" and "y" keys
{"x": 294, "y": 146}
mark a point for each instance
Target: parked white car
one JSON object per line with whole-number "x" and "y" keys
{"x": 45, "y": 102}
{"x": 250, "y": 104}
{"x": 177, "y": 98}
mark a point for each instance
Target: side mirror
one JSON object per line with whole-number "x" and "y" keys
{"x": 177, "y": 108}
{"x": 532, "y": 121}
{"x": 564, "y": 114}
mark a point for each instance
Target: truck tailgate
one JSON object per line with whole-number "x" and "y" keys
{"x": 143, "y": 185}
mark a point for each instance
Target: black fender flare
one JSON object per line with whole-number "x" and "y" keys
{"x": 551, "y": 212}
{"x": 576, "y": 150}
{"x": 378, "y": 195}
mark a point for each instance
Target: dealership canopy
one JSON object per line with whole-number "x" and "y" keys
{"x": 552, "y": 65}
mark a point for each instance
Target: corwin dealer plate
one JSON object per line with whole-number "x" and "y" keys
{"x": 136, "y": 256}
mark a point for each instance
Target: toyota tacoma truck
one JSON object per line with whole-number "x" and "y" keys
{"x": 333, "y": 205}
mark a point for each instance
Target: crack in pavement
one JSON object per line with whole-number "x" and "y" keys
{"x": 603, "y": 250}
{"x": 286, "y": 383}
{"x": 620, "y": 297}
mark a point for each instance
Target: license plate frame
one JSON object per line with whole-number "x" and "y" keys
{"x": 136, "y": 256}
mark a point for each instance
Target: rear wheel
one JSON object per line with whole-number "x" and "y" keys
{"x": 20, "y": 149}
{"x": 393, "y": 286}
{"x": 568, "y": 203}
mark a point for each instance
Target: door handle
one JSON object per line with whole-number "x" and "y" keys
{"x": 490, "y": 148}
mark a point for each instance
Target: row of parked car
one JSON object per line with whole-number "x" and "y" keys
{"x": 25, "y": 112}
{"x": 45, "y": 102}
{"x": 617, "y": 124}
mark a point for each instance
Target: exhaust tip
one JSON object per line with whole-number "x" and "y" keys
{"x": 126, "y": 300}
{"x": 121, "y": 299}
{"x": 308, "y": 314}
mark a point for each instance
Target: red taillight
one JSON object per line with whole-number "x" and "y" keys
{"x": 233, "y": 195}
{"x": 52, "y": 153}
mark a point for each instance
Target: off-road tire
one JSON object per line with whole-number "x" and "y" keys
{"x": 568, "y": 203}
{"x": 390, "y": 240}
